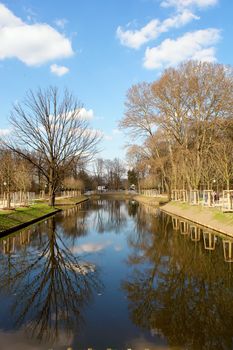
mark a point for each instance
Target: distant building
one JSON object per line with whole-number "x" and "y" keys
{"x": 101, "y": 188}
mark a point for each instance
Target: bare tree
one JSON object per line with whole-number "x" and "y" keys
{"x": 49, "y": 132}
{"x": 115, "y": 170}
{"x": 73, "y": 184}
{"x": 191, "y": 100}
{"x": 23, "y": 176}
{"x": 180, "y": 118}
{"x": 99, "y": 171}
{"x": 140, "y": 115}
{"x": 223, "y": 160}
{"x": 8, "y": 174}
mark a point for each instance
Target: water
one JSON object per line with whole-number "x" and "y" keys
{"x": 114, "y": 274}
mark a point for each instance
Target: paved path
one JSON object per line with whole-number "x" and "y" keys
{"x": 209, "y": 217}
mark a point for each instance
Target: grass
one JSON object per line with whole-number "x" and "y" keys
{"x": 224, "y": 217}
{"x": 14, "y": 218}
{"x": 65, "y": 201}
{"x": 187, "y": 206}
{"x": 205, "y": 214}
{"x": 11, "y": 219}
{"x": 70, "y": 200}
{"x": 152, "y": 201}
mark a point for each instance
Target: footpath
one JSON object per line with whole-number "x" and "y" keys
{"x": 211, "y": 218}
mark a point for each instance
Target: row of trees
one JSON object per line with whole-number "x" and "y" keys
{"x": 183, "y": 127}
{"x": 50, "y": 147}
{"x": 19, "y": 175}
{"x": 50, "y": 134}
{"x": 110, "y": 173}
{"x": 15, "y": 174}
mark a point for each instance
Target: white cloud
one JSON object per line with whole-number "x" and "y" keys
{"x": 31, "y": 15}
{"x": 4, "y": 132}
{"x": 136, "y": 38}
{"x": 118, "y": 248}
{"x": 192, "y": 45}
{"x": 58, "y": 70}
{"x": 108, "y": 137}
{"x": 61, "y": 22}
{"x": 86, "y": 114}
{"x": 90, "y": 247}
{"x": 7, "y": 18}
{"x": 33, "y": 44}
{"x": 117, "y": 131}
{"x": 177, "y": 21}
{"x": 82, "y": 113}
{"x": 114, "y": 134}
{"x": 180, "y": 4}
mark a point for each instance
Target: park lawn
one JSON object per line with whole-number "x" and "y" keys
{"x": 13, "y": 218}
{"x": 70, "y": 200}
{"x": 217, "y": 214}
{"x": 60, "y": 201}
{"x": 212, "y": 218}
{"x": 224, "y": 217}
{"x": 152, "y": 201}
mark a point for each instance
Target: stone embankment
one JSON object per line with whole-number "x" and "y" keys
{"x": 211, "y": 218}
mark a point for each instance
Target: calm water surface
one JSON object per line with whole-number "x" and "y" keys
{"x": 113, "y": 274}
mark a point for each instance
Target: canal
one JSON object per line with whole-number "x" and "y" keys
{"x": 115, "y": 274}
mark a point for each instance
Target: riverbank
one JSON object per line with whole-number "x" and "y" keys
{"x": 112, "y": 195}
{"x": 211, "y": 218}
{"x": 14, "y": 220}
{"x": 152, "y": 201}
{"x": 61, "y": 201}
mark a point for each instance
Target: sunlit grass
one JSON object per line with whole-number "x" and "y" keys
{"x": 13, "y": 218}
{"x": 224, "y": 217}
{"x": 216, "y": 213}
{"x": 70, "y": 200}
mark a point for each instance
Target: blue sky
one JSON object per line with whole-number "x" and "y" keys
{"x": 99, "y": 48}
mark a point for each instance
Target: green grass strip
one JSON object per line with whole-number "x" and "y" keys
{"x": 12, "y": 218}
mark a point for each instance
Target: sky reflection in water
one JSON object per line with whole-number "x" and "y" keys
{"x": 115, "y": 274}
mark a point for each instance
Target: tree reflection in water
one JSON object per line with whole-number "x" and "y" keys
{"x": 51, "y": 286}
{"x": 73, "y": 221}
{"x": 179, "y": 290}
{"x": 108, "y": 215}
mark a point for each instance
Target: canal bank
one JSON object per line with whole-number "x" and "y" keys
{"x": 124, "y": 195}
{"x": 152, "y": 201}
{"x": 19, "y": 218}
{"x": 211, "y": 218}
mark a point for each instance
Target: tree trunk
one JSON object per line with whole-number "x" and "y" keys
{"x": 52, "y": 185}
{"x": 51, "y": 197}
{"x": 51, "y": 194}
{"x": 8, "y": 199}
{"x": 173, "y": 176}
